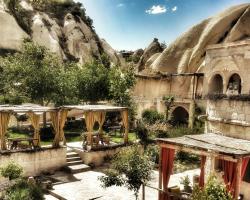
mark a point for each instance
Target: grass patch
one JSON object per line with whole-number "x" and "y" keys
{"x": 119, "y": 139}
{"x": 73, "y": 136}
{"x": 12, "y": 134}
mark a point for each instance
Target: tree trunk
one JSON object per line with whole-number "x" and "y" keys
{"x": 44, "y": 115}
{"x": 44, "y": 120}
{"x": 143, "y": 192}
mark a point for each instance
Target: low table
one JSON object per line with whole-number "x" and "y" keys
{"x": 14, "y": 142}
{"x": 114, "y": 129}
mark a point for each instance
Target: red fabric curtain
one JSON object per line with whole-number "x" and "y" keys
{"x": 202, "y": 174}
{"x": 167, "y": 163}
{"x": 229, "y": 169}
{"x": 245, "y": 162}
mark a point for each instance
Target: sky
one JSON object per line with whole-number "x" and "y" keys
{"x": 132, "y": 24}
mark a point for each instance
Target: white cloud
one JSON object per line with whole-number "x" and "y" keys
{"x": 174, "y": 9}
{"x": 156, "y": 9}
{"x": 120, "y": 5}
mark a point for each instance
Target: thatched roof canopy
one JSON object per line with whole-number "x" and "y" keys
{"x": 20, "y": 109}
{"x": 94, "y": 108}
{"x": 210, "y": 142}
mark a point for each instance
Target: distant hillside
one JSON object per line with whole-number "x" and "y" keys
{"x": 187, "y": 52}
{"x": 60, "y": 25}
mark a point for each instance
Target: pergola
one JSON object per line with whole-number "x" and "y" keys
{"x": 92, "y": 113}
{"x": 97, "y": 113}
{"x": 233, "y": 155}
{"x": 33, "y": 111}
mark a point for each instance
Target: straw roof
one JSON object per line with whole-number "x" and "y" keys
{"x": 211, "y": 142}
{"x": 89, "y": 108}
{"x": 21, "y": 109}
{"x": 41, "y": 109}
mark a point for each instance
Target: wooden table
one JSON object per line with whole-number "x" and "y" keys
{"x": 115, "y": 129}
{"x": 96, "y": 138}
{"x": 14, "y": 142}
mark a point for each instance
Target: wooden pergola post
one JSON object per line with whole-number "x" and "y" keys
{"x": 124, "y": 115}
{"x": 238, "y": 178}
{"x": 160, "y": 173}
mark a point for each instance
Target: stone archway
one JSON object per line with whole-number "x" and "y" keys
{"x": 234, "y": 84}
{"x": 216, "y": 84}
{"x": 180, "y": 116}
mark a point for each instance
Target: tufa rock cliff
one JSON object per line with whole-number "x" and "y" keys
{"x": 187, "y": 52}
{"x": 61, "y": 26}
{"x": 153, "y": 48}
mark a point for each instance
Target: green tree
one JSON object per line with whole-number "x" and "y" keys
{"x": 151, "y": 116}
{"x": 99, "y": 81}
{"x": 129, "y": 168}
{"x": 93, "y": 82}
{"x": 169, "y": 102}
{"x": 36, "y": 75}
{"x": 214, "y": 189}
{"x": 121, "y": 81}
{"x": 11, "y": 171}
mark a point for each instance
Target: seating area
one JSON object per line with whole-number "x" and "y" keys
{"x": 97, "y": 114}
{"x": 96, "y": 139}
{"x": 58, "y": 117}
{"x": 22, "y": 143}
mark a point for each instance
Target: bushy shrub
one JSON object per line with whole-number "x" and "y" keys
{"x": 75, "y": 124}
{"x": 47, "y": 133}
{"x": 181, "y": 131}
{"x": 151, "y": 116}
{"x": 153, "y": 153}
{"x": 22, "y": 16}
{"x": 11, "y": 171}
{"x": 59, "y": 8}
{"x": 214, "y": 189}
{"x": 142, "y": 132}
{"x": 187, "y": 157}
{"x": 130, "y": 168}
{"x": 25, "y": 191}
{"x": 21, "y": 118}
{"x": 159, "y": 129}
{"x": 185, "y": 181}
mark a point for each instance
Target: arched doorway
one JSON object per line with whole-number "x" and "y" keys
{"x": 216, "y": 85}
{"x": 180, "y": 116}
{"x": 234, "y": 85}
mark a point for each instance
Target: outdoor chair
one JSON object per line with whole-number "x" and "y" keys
{"x": 176, "y": 194}
{"x": 95, "y": 140}
{"x": 21, "y": 143}
{"x": 105, "y": 139}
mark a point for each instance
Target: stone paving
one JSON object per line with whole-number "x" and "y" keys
{"x": 88, "y": 187}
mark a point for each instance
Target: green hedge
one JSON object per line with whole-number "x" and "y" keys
{"x": 151, "y": 116}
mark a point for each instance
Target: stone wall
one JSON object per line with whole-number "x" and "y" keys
{"x": 149, "y": 91}
{"x": 228, "y": 117}
{"x": 226, "y": 60}
{"x": 245, "y": 190}
{"x": 36, "y": 162}
{"x": 97, "y": 158}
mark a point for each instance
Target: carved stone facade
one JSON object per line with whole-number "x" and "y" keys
{"x": 227, "y": 86}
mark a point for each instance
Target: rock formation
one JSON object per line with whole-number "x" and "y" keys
{"x": 61, "y": 27}
{"x": 187, "y": 52}
{"x": 152, "y": 49}
{"x": 137, "y": 55}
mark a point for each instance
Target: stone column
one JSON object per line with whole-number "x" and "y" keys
{"x": 191, "y": 114}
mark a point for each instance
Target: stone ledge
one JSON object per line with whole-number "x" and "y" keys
{"x": 229, "y": 121}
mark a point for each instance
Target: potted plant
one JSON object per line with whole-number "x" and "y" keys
{"x": 185, "y": 181}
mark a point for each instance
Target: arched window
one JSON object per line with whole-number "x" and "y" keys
{"x": 180, "y": 116}
{"x": 216, "y": 85}
{"x": 234, "y": 85}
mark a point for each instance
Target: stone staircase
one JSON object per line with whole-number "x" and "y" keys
{"x": 74, "y": 163}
